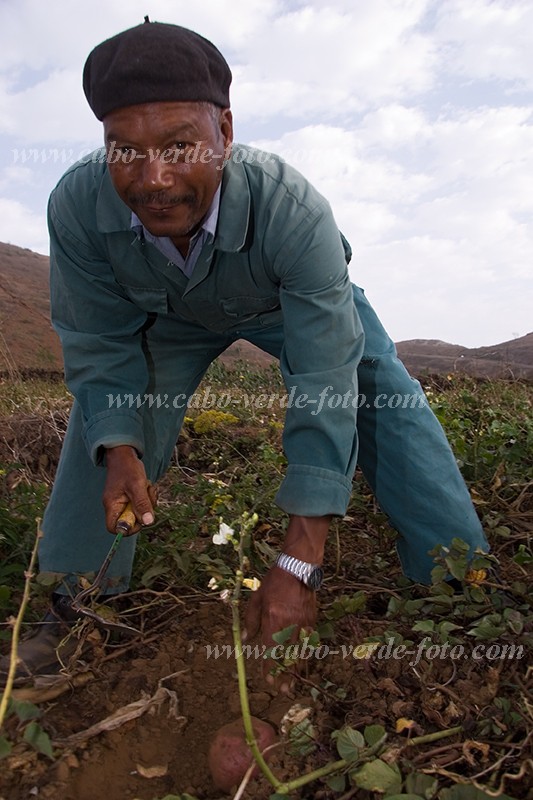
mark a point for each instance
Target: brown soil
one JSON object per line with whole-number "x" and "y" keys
{"x": 199, "y": 695}
{"x": 173, "y": 738}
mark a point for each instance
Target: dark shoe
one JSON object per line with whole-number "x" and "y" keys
{"x": 50, "y": 647}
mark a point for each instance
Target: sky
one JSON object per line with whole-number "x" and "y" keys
{"x": 413, "y": 117}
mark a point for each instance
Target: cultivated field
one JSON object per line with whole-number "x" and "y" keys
{"x": 415, "y": 692}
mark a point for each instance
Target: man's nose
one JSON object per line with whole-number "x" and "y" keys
{"x": 156, "y": 173}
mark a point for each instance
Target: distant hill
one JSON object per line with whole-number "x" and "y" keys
{"x": 28, "y": 341}
{"x": 513, "y": 359}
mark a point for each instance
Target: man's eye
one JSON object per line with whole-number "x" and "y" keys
{"x": 175, "y": 152}
{"x": 125, "y": 153}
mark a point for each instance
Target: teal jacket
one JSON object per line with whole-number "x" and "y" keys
{"x": 277, "y": 259}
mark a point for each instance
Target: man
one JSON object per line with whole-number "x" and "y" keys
{"x": 165, "y": 250}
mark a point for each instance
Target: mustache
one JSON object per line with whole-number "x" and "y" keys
{"x": 162, "y": 200}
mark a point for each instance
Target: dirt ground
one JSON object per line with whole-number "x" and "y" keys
{"x": 188, "y": 696}
{"x": 159, "y": 745}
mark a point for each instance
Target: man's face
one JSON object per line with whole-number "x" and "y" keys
{"x": 166, "y": 162}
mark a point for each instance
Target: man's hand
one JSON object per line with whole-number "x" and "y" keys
{"x": 283, "y": 600}
{"x": 126, "y": 482}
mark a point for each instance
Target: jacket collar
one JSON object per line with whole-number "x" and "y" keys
{"x": 112, "y": 215}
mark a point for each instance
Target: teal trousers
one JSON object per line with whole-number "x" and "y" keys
{"x": 403, "y": 454}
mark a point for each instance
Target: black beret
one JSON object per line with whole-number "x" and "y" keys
{"x": 155, "y": 62}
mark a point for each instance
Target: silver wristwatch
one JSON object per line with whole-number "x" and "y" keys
{"x": 311, "y": 575}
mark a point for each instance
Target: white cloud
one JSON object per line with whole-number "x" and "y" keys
{"x": 488, "y": 39}
{"x": 330, "y": 61}
{"x": 21, "y": 226}
{"x": 410, "y": 116}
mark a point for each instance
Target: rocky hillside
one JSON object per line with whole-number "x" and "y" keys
{"x": 513, "y": 359}
{"x": 27, "y": 340}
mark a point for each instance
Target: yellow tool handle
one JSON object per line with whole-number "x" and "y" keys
{"x": 126, "y": 521}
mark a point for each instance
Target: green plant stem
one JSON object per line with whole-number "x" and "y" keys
{"x": 241, "y": 675}
{"x": 28, "y": 575}
{"x": 322, "y": 772}
{"x": 333, "y": 766}
{"x": 434, "y": 737}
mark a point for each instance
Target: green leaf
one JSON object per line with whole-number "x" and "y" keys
{"x": 337, "y": 783}
{"x": 486, "y": 630}
{"x": 376, "y": 776}
{"x": 38, "y": 739}
{"x": 523, "y": 556}
{"x": 25, "y": 710}
{"x": 47, "y": 578}
{"x": 5, "y": 747}
{"x": 5, "y": 594}
{"x": 461, "y": 791}
{"x": 373, "y": 733}
{"x": 514, "y": 619}
{"x": 419, "y": 784}
{"x": 406, "y": 796}
{"x": 153, "y": 572}
{"x": 412, "y": 607}
{"x": 178, "y": 797}
{"x": 424, "y": 626}
{"x": 477, "y": 595}
{"x": 325, "y": 630}
{"x": 302, "y": 738}
{"x": 349, "y": 742}
{"x": 284, "y": 635}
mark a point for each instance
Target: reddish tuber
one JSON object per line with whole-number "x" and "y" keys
{"x": 229, "y": 755}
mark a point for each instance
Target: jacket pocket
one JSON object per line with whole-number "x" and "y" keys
{"x": 148, "y": 298}
{"x": 245, "y": 307}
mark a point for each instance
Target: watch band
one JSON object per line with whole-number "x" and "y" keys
{"x": 310, "y": 574}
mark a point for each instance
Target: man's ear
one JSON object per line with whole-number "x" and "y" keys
{"x": 226, "y": 127}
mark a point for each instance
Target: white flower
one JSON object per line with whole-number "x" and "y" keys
{"x": 225, "y": 595}
{"x": 252, "y": 583}
{"x": 224, "y": 535}
{"x": 213, "y": 584}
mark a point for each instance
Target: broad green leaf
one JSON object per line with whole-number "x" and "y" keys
{"x": 5, "y": 594}
{"x": 326, "y": 630}
{"x": 25, "y": 710}
{"x": 5, "y": 747}
{"x": 462, "y": 791}
{"x": 486, "y": 630}
{"x": 178, "y": 797}
{"x": 284, "y": 635}
{"x": 38, "y": 739}
{"x": 412, "y": 607}
{"x": 337, "y": 783}
{"x": 406, "y": 796}
{"x": 302, "y": 738}
{"x": 373, "y": 733}
{"x": 153, "y": 572}
{"x": 376, "y": 776}
{"x": 424, "y": 626}
{"x": 419, "y": 784}
{"x": 349, "y": 742}
{"x": 477, "y": 595}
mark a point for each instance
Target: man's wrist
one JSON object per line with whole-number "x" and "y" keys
{"x": 306, "y": 538}
{"x": 120, "y": 452}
